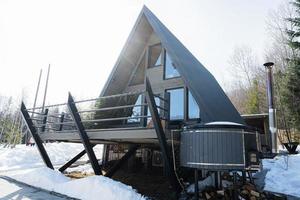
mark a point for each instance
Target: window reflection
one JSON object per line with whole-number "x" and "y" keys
{"x": 170, "y": 71}
{"x": 136, "y": 111}
{"x": 157, "y": 102}
{"x": 194, "y": 111}
{"x": 176, "y": 103}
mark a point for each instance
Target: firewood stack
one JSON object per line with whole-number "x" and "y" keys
{"x": 241, "y": 190}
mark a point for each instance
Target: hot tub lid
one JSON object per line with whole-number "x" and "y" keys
{"x": 218, "y": 124}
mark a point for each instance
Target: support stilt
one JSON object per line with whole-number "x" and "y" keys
{"x": 73, "y": 160}
{"x": 120, "y": 162}
{"x": 83, "y": 136}
{"x": 36, "y": 137}
{"x": 196, "y": 184}
{"x": 161, "y": 136}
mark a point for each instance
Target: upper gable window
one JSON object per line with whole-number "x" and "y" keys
{"x": 155, "y": 55}
{"x": 170, "y": 70}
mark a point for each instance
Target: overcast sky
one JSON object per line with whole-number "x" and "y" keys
{"x": 82, "y": 39}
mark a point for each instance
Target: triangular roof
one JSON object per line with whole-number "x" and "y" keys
{"x": 213, "y": 102}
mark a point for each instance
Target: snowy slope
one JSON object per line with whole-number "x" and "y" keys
{"x": 283, "y": 175}
{"x": 22, "y": 157}
{"x": 24, "y": 164}
{"x": 89, "y": 188}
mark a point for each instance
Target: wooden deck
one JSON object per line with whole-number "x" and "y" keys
{"x": 109, "y": 136}
{"x": 103, "y": 135}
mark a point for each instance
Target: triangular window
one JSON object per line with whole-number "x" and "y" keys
{"x": 155, "y": 55}
{"x": 193, "y": 108}
{"x": 158, "y": 61}
{"x": 136, "y": 111}
{"x": 170, "y": 70}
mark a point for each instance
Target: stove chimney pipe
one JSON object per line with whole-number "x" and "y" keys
{"x": 272, "y": 111}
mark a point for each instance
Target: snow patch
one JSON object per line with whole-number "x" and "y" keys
{"x": 23, "y": 157}
{"x": 89, "y": 188}
{"x": 223, "y": 123}
{"x": 283, "y": 175}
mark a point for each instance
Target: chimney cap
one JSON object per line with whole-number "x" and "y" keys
{"x": 268, "y": 64}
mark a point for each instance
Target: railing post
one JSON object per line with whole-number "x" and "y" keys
{"x": 83, "y": 135}
{"x": 144, "y": 110}
{"x": 161, "y": 136}
{"x": 167, "y": 106}
{"x": 45, "y": 120}
{"x": 61, "y": 120}
{"x": 36, "y": 137}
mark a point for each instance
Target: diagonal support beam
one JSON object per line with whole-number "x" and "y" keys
{"x": 161, "y": 136}
{"x": 36, "y": 137}
{"x": 73, "y": 160}
{"x": 120, "y": 162}
{"x": 83, "y": 136}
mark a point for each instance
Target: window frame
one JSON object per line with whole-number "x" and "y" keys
{"x": 188, "y": 107}
{"x": 149, "y": 56}
{"x": 164, "y": 65}
{"x": 185, "y": 105}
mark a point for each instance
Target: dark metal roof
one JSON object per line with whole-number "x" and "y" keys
{"x": 213, "y": 102}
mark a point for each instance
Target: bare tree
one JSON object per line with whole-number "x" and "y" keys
{"x": 244, "y": 65}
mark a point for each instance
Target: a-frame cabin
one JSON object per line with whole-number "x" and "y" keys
{"x": 153, "y": 51}
{"x": 155, "y": 89}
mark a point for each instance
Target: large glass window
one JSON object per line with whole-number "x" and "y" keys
{"x": 193, "y": 110}
{"x": 176, "y": 103}
{"x": 155, "y": 55}
{"x": 157, "y": 102}
{"x": 170, "y": 70}
{"x": 136, "y": 111}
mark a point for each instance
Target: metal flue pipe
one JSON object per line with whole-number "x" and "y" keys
{"x": 272, "y": 111}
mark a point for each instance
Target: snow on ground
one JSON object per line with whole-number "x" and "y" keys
{"x": 24, "y": 164}
{"x": 85, "y": 169}
{"x": 89, "y": 188}
{"x": 22, "y": 157}
{"x": 283, "y": 175}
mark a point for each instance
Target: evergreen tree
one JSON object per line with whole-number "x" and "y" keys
{"x": 252, "y": 103}
{"x": 291, "y": 96}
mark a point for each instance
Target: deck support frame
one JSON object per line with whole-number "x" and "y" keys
{"x": 73, "y": 160}
{"x": 36, "y": 137}
{"x": 161, "y": 136}
{"x": 83, "y": 136}
{"x": 121, "y": 161}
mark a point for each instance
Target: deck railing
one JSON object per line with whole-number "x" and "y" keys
{"x": 97, "y": 117}
{"x": 42, "y": 119}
